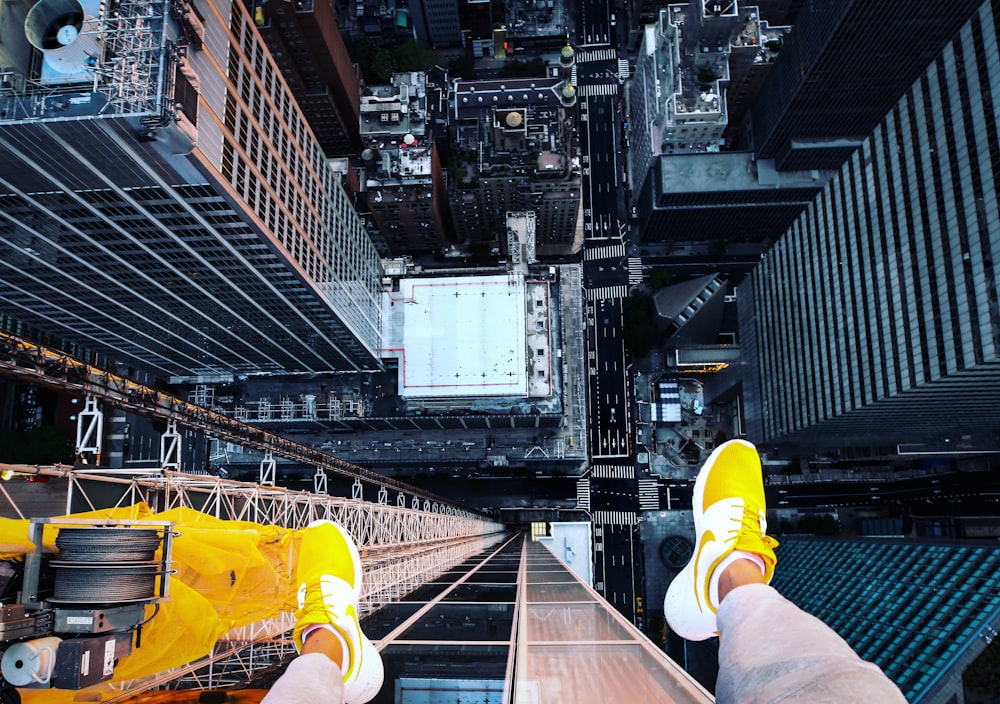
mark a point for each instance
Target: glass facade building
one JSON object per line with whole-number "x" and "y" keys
{"x": 921, "y": 612}
{"x": 164, "y": 202}
{"x": 515, "y": 624}
{"x": 876, "y": 314}
{"x": 840, "y": 70}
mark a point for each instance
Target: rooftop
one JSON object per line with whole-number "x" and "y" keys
{"x": 509, "y": 126}
{"x": 115, "y": 63}
{"x": 458, "y": 336}
{"x": 395, "y": 110}
{"x": 541, "y": 18}
{"x": 691, "y": 53}
{"x": 471, "y": 97}
{"x": 730, "y": 171}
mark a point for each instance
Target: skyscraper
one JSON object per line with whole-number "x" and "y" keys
{"x": 876, "y": 315}
{"x": 164, "y": 202}
{"x": 840, "y": 70}
{"x": 679, "y": 111}
{"x": 304, "y": 40}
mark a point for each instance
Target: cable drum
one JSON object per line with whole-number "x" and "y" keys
{"x": 105, "y": 566}
{"x": 107, "y": 544}
{"x": 104, "y": 584}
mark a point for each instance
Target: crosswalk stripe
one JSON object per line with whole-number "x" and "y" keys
{"x": 596, "y": 55}
{"x": 614, "y": 251}
{"x": 597, "y": 294}
{"x": 615, "y": 518}
{"x": 634, "y": 271}
{"x": 599, "y": 89}
{"x": 623, "y": 69}
{"x": 649, "y": 495}
{"x": 610, "y": 471}
{"x": 583, "y": 494}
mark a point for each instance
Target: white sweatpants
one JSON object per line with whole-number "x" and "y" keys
{"x": 309, "y": 679}
{"x": 772, "y": 651}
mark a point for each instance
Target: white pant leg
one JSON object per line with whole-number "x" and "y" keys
{"x": 772, "y": 651}
{"x": 312, "y": 678}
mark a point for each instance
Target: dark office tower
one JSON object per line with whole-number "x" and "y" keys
{"x": 436, "y": 22}
{"x": 476, "y": 17}
{"x": 163, "y": 201}
{"x": 840, "y": 71}
{"x": 778, "y": 12}
{"x": 305, "y": 41}
{"x": 875, "y": 316}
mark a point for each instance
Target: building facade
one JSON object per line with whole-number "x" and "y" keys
{"x": 514, "y": 151}
{"x": 179, "y": 215}
{"x": 404, "y": 191}
{"x": 921, "y": 611}
{"x": 841, "y": 70}
{"x": 305, "y": 42}
{"x": 876, "y": 315}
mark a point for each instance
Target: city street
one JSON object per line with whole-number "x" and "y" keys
{"x": 613, "y": 489}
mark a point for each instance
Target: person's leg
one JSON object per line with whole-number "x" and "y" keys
{"x": 770, "y": 649}
{"x": 311, "y": 677}
{"x": 337, "y": 662}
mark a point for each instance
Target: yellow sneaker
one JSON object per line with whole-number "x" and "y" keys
{"x": 329, "y": 576}
{"x": 729, "y": 521}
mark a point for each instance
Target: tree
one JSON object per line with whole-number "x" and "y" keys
{"x": 462, "y": 67}
{"x": 383, "y": 65}
{"x": 660, "y": 278}
{"x": 362, "y": 53}
{"x": 640, "y": 331}
{"x": 411, "y": 56}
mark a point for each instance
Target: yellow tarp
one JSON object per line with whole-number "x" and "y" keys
{"x": 228, "y": 574}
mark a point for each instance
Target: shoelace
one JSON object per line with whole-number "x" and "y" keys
{"x": 751, "y": 530}
{"x": 314, "y": 601}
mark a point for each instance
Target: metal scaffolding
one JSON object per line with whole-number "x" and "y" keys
{"x": 130, "y": 69}
{"x": 401, "y": 548}
{"x": 407, "y": 537}
{"x": 36, "y": 364}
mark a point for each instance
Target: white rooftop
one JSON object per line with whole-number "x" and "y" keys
{"x": 458, "y": 336}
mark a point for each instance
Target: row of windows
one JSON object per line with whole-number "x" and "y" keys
{"x": 892, "y": 264}
{"x": 332, "y": 244}
{"x": 910, "y": 608}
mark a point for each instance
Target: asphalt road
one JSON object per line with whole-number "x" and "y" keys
{"x": 617, "y": 550}
{"x": 608, "y": 388}
{"x": 594, "y": 23}
{"x": 617, "y": 566}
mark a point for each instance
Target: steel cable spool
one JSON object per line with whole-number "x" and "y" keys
{"x": 106, "y": 565}
{"x": 107, "y": 544}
